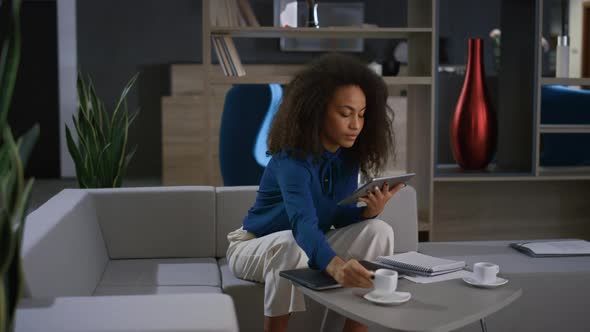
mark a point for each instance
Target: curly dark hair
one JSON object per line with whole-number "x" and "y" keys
{"x": 297, "y": 124}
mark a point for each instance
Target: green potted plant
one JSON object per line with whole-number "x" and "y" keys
{"x": 14, "y": 189}
{"x": 101, "y": 155}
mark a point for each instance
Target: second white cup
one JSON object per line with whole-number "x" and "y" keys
{"x": 385, "y": 281}
{"x": 485, "y": 272}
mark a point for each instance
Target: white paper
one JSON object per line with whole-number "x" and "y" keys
{"x": 443, "y": 277}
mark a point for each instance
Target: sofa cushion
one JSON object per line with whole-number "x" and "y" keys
{"x": 157, "y": 222}
{"x": 63, "y": 250}
{"x": 104, "y": 290}
{"x": 146, "y": 313}
{"x": 162, "y": 272}
{"x": 233, "y": 204}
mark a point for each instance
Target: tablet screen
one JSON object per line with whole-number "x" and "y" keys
{"x": 392, "y": 181}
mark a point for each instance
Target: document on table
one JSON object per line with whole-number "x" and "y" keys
{"x": 442, "y": 277}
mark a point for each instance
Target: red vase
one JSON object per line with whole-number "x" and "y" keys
{"x": 474, "y": 128}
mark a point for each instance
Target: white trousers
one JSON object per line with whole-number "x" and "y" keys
{"x": 261, "y": 259}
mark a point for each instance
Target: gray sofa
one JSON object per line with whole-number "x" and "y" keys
{"x": 137, "y": 259}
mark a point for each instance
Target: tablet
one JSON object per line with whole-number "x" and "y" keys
{"x": 319, "y": 280}
{"x": 364, "y": 190}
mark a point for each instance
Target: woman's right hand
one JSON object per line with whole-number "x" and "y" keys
{"x": 349, "y": 274}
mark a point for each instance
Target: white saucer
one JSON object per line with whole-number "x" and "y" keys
{"x": 472, "y": 281}
{"x": 389, "y": 299}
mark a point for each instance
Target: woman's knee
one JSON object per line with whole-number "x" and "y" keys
{"x": 379, "y": 230}
{"x": 286, "y": 251}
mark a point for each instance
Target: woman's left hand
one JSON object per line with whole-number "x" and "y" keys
{"x": 377, "y": 198}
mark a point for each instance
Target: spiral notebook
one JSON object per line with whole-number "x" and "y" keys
{"x": 420, "y": 264}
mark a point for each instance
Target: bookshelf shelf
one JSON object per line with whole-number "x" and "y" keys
{"x": 284, "y": 79}
{"x": 564, "y": 173}
{"x": 332, "y": 32}
{"x": 564, "y": 129}
{"x": 453, "y": 173}
{"x": 564, "y": 81}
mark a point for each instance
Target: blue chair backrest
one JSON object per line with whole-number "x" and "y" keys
{"x": 247, "y": 115}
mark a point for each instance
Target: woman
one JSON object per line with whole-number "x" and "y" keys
{"x": 333, "y": 121}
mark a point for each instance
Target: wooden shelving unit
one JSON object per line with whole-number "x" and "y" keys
{"x": 564, "y": 129}
{"x": 422, "y": 46}
{"x": 515, "y": 199}
{"x": 564, "y": 81}
{"x": 333, "y": 32}
{"x": 284, "y": 79}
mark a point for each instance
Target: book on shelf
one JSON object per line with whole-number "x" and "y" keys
{"x": 223, "y": 63}
{"x": 558, "y": 248}
{"x": 248, "y": 13}
{"x": 232, "y": 13}
{"x": 228, "y": 56}
{"x": 416, "y": 263}
{"x": 235, "y": 61}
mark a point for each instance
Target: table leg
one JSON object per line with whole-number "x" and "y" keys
{"x": 484, "y": 328}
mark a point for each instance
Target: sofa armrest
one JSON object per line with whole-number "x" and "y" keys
{"x": 63, "y": 250}
{"x": 148, "y": 313}
{"x": 157, "y": 222}
{"x": 401, "y": 213}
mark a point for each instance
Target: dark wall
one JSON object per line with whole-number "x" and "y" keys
{"x": 119, "y": 38}
{"x": 35, "y": 98}
{"x": 463, "y": 19}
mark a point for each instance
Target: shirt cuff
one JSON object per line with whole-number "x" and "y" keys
{"x": 325, "y": 256}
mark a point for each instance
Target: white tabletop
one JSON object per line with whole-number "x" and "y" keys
{"x": 442, "y": 306}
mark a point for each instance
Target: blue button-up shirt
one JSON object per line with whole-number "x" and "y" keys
{"x": 302, "y": 195}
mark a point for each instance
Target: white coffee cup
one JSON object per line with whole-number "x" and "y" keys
{"x": 385, "y": 282}
{"x": 485, "y": 272}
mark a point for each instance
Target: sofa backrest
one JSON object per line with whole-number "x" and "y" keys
{"x": 400, "y": 212}
{"x": 157, "y": 222}
{"x": 63, "y": 249}
{"x": 232, "y": 206}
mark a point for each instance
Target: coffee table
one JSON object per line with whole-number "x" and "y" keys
{"x": 441, "y": 306}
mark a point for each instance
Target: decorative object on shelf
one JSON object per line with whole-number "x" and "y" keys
{"x": 376, "y": 67}
{"x": 292, "y": 13}
{"x": 101, "y": 155}
{"x": 473, "y": 127}
{"x": 15, "y": 190}
{"x": 312, "y": 16}
{"x": 391, "y": 65}
{"x": 496, "y": 35}
{"x": 562, "y": 58}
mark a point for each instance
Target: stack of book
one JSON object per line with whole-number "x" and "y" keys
{"x": 228, "y": 56}
{"x": 415, "y": 263}
{"x": 230, "y": 13}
